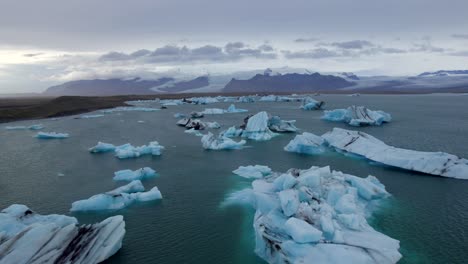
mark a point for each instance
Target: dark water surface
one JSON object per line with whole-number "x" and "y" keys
{"x": 428, "y": 214}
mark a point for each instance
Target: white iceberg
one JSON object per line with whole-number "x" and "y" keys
{"x": 307, "y": 143}
{"x": 360, "y": 143}
{"x": 253, "y": 172}
{"x": 169, "y": 102}
{"x": 317, "y": 216}
{"x": 276, "y": 124}
{"x": 129, "y": 151}
{"x": 256, "y": 127}
{"x": 309, "y": 103}
{"x": 357, "y": 116}
{"x": 217, "y": 111}
{"x": 214, "y": 125}
{"x": 31, "y": 127}
{"x": 203, "y": 100}
{"x": 231, "y": 132}
{"x": 27, "y": 237}
{"x": 232, "y": 109}
{"x": 129, "y": 175}
{"x": 268, "y": 98}
{"x": 51, "y": 135}
{"x": 102, "y": 147}
{"x": 117, "y": 199}
{"x": 129, "y": 109}
{"x": 210, "y": 141}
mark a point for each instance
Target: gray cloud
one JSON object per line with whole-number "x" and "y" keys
{"x": 463, "y": 53}
{"x": 460, "y": 36}
{"x": 318, "y": 53}
{"x": 427, "y": 47}
{"x": 353, "y": 44}
{"x": 305, "y": 40}
{"x": 30, "y": 55}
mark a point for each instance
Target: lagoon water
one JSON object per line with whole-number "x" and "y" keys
{"x": 428, "y": 214}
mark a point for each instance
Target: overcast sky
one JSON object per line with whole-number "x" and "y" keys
{"x": 52, "y": 41}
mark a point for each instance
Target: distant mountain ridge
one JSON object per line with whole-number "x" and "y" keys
{"x": 444, "y": 73}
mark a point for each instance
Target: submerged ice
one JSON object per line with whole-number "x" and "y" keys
{"x": 317, "y": 216}
{"x": 357, "y": 116}
{"x": 118, "y": 198}
{"x": 28, "y": 237}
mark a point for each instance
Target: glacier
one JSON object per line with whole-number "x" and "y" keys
{"x": 28, "y": 237}
{"x": 365, "y": 145}
{"x": 252, "y": 172}
{"x": 357, "y": 116}
{"x": 51, "y": 135}
{"x": 129, "y": 175}
{"x": 306, "y": 143}
{"x": 309, "y": 103}
{"x": 317, "y": 216}
{"x": 118, "y": 198}
{"x": 210, "y": 141}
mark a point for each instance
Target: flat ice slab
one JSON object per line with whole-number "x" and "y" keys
{"x": 307, "y": 143}
{"x": 435, "y": 163}
{"x": 129, "y": 175}
{"x": 28, "y": 237}
{"x": 118, "y": 198}
{"x": 357, "y": 116}
{"x": 210, "y": 141}
{"x": 51, "y": 135}
{"x": 252, "y": 172}
{"x": 31, "y": 127}
{"x": 317, "y": 216}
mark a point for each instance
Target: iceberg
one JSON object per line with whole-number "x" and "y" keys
{"x": 268, "y": 98}
{"x": 203, "y": 100}
{"x": 168, "y": 102}
{"x": 51, "y": 135}
{"x": 32, "y": 127}
{"x": 88, "y": 116}
{"x": 365, "y": 145}
{"x": 210, "y": 141}
{"x": 317, "y": 216}
{"x": 214, "y": 125}
{"x": 193, "y": 132}
{"x": 232, "y": 109}
{"x": 276, "y": 124}
{"x": 357, "y": 116}
{"x": 102, "y": 147}
{"x": 129, "y": 109}
{"x": 256, "y": 127}
{"x": 217, "y": 111}
{"x": 309, "y": 103}
{"x": 129, "y": 151}
{"x": 253, "y": 172}
{"x": 231, "y": 132}
{"x": 179, "y": 115}
{"x": 307, "y": 143}
{"x": 117, "y": 199}
{"x": 28, "y": 237}
{"x": 191, "y": 123}
{"x": 129, "y": 175}
{"x": 197, "y": 114}
{"x": 247, "y": 99}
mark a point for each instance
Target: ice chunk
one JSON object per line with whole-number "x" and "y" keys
{"x": 27, "y": 237}
{"x": 117, "y": 199}
{"x": 310, "y": 103}
{"x": 193, "y": 132}
{"x": 213, "y": 111}
{"x": 129, "y": 151}
{"x": 129, "y": 109}
{"x": 102, "y": 147}
{"x": 247, "y": 99}
{"x": 129, "y": 175}
{"x": 257, "y": 127}
{"x": 88, "y": 116}
{"x": 365, "y": 145}
{"x": 232, "y": 109}
{"x": 168, "y": 102}
{"x": 51, "y": 135}
{"x": 191, "y": 123}
{"x": 203, "y": 100}
{"x": 301, "y": 231}
{"x": 317, "y": 216}
{"x": 307, "y": 143}
{"x": 210, "y": 141}
{"x": 357, "y": 116}
{"x": 214, "y": 125}
{"x": 197, "y": 114}
{"x": 179, "y": 115}
{"x": 268, "y": 98}
{"x": 32, "y": 127}
{"x": 252, "y": 172}
{"x": 231, "y": 132}
{"x": 276, "y": 124}
{"x": 36, "y": 127}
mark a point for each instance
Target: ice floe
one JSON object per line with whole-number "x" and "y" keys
{"x": 232, "y": 132}
{"x": 247, "y": 99}
{"x": 88, "y": 116}
{"x": 210, "y": 141}
{"x": 360, "y": 143}
{"x": 317, "y": 216}
{"x": 309, "y": 103}
{"x": 127, "y": 150}
{"x": 203, "y": 100}
{"x": 129, "y": 175}
{"x": 217, "y": 111}
{"x": 31, "y": 127}
{"x": 28, "y": 237}
{"x": 197, "y": 114}
{"x": 102, "y": 147}
{"x": 51, "y": 135}
{"x": 253, "y": 171}
{"x": 194, "y": 132}
{"x": 306, "y": 143}
{"x": 357, "y": 116}
{"x": 118, "y": 198}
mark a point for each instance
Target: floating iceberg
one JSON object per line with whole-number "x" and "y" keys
{"x": 168, "y": 102}
{"x": 253, "y": 172}
{"x": 307, "y": 143}
{"x": 276, "y": 124}
{"x": 231, "y": 132}
{"x": 129, "y": 151}
{"x": 203, "y": 100}
{"x": 357, "y": 116}
{"x": 32, "y": 127}
{"x": 179, "y": 115}
{"x": 310, "y": 103}
{"x": 51, "y": 135}
{"x": 214, "y": 125}
{"x": 129, "y": 109}
{"x": 247, "y": 99}
{"x": 117, "y": 199}
{"x": 27, "y": 237}
{"x": 197, "y": 114}
{"x": 256, "y": 127}
{"x": 129, "y": 175}
{"x": 232, "y": 109}
{"x": 36, "y": 127}
{"x": 268, "y": 98}
{"x": 317, "y": 216}
{"x": 435, "y": 163}
{"x": 102, "y": 147}
{"x": 217, "y": 111}
{"x": 193, "y": 132}
{"x": 88, "y": 116}
{"x": 210, "y": 141}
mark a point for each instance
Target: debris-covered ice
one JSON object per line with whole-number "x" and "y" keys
{"x": 51, "y": 135}
{"x": 317, "y": 216}
{"x": 306, "y": 143}
{"x": 357, "y": 116}
{"x": 117, "y": 199}
{"x": 28, "y": 237}
{"x": 129, "y": 175}
{"x": 88, "y": 116}
{"x": 360, "y": 143}
{"x": 190, "y": 123}
{"x": 210, "y": 141}
{"x": 276, "y": 124}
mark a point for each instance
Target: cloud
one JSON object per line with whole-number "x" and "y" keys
{"x": 30, "y": 55}
{"x": 353, "y": 44}
{"x": 462, "y": 53}
{"x": 305, "y": 40}
{"x": 318, "y": 53}
{"x": 460, "y": 36}
{"x": 427, "y": 47}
